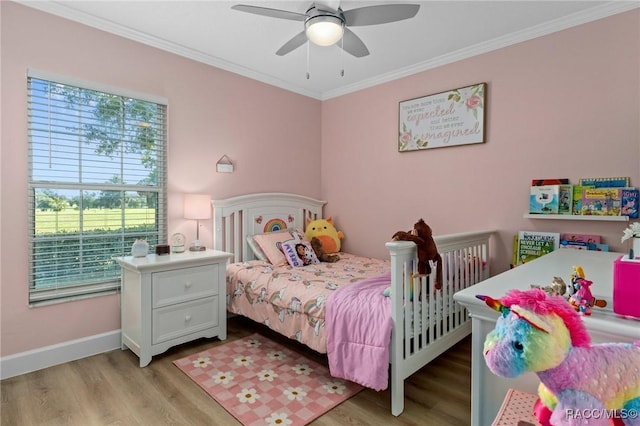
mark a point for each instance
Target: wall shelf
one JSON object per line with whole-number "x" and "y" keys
{"x": 576, "y": 217}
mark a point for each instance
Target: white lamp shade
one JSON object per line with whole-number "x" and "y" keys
{"x": 324, "y": 30}
{"x": 197, "y": 206}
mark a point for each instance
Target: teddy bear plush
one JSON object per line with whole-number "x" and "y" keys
{"x": 427, "y": 250}
{"x": 321, "y": 254}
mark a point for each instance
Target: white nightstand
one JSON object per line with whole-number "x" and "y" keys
{"x": 172, "y": 299}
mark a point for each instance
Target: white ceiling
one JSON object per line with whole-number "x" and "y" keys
{"x": 442, "y": 32}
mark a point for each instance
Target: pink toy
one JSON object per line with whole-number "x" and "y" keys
{"x": 581, "y": 383}
{"x": 581, "y": 297}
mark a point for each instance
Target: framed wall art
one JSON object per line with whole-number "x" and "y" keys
{"x": 454, "y": 117}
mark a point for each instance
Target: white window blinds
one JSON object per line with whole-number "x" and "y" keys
{"x": 97, "y": 182}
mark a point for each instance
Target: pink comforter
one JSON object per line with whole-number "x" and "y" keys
{"x": 358, "y": 322}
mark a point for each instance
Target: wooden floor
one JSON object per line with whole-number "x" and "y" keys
{"x": 111, "y": 389}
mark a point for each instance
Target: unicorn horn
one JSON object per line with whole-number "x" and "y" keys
{"x": 493, "y": 303}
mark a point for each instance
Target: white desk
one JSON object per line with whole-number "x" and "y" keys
{"x": 487, "y": 389}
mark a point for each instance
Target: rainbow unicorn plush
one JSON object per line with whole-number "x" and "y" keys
{"x": 580, "y": 383}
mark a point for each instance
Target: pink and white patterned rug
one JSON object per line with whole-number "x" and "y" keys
{"x": 260, "y": 382}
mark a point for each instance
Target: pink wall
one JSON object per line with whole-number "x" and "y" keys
{"x": 211, "y": 112}
{"x": 563, "y": 105}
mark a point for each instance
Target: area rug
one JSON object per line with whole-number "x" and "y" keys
{"x": 260, "y": 382}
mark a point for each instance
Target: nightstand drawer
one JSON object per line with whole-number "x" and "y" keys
{"x": 181, "y": 285}
{"x": 179, "y": 320}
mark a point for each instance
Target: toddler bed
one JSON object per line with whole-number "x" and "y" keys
{"x": 424, "y": 323}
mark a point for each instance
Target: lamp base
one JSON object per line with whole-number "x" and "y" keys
{"x": 197, "y": 248}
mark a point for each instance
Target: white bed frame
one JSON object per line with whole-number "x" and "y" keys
{"x": 465, "y": 261}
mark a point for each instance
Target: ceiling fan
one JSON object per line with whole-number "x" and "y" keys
{"x": 325, "y": 25}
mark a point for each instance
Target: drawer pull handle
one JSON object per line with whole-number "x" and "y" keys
{"x": 187, "y": 284}
{"x": 187, "y": 318}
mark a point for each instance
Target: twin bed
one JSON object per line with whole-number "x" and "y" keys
{"x": 293, "y": 301}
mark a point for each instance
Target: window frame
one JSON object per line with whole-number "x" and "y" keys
{"x": 110, "y": 284}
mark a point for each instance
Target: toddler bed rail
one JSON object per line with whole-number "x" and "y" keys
{"x": 427, "y": 322}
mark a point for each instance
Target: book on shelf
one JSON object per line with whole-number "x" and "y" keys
{"x": 514, "y": 255}
{"x": 578, "y": 191}
{"x": 585, "y": 238}
{"x": 601, "y": 202}
{"x": 565, "y": 199}
{"x": 534, "y": 244}
{"x": 582, "y": 242}
{"x": 581, "y": 245}
{"x": 544, "y": 199}
{"x": 556, "y": 181}
{"x": 577, "y": 245}
{"x": 629, "y": 202}
{"x": 608, "y": 182}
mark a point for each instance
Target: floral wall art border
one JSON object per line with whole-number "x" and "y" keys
{"x": 453, "y": 117}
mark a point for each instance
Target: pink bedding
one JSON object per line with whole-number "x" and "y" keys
{"x": 292, "y": 301}
{"x": 358, "y": 319}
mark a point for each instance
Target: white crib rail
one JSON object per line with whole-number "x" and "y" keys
{"x": 430, "y": 321}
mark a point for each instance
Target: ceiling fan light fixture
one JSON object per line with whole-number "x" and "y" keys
{"x": 324, "y": 30}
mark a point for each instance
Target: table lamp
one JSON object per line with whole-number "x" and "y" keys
{"x": 198, "y": 207}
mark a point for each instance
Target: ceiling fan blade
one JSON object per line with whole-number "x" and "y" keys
{"x": 352, "y": 44}
{"x": 297, "y": 41}
{"x": 272, "y": 13}
{"x": 380, "y": 14}
{"x": 330, "y": 5}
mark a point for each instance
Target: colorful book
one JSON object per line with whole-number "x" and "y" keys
{"x": 544, "y": 199}
{"x": 577, "y": 197}
{"x": 541, "y": 182}
{"x": 565, "y": 199}
{"x": 576, "y": 245}
{"x": 514, "y": 255}
{"x": 629, "y": 199}
{"x": 585, "y": 238}
{"x": 534, "y": 244}
{"x": 582, "y": 242}
{"x": 601, "y": 202}
{"x": 579, "y": 245}
{"x": 609, "y": 182}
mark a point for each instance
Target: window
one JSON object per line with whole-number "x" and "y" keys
{"x": 97, "y": 182}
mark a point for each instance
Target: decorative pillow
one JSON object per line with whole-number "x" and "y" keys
{"x": 268, "y": 243}
{"x": 299, "y": 253}
{"x": 255, "y": 248}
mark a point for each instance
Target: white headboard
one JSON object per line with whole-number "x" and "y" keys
{"x": 237, "y": 217}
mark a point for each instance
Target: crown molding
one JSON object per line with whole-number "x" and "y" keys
{"x": 569, "y": 21}
{"x": 583, "y": 17}
{"x": 58, "y": 9}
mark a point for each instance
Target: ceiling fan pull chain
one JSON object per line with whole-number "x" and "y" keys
{"x": 308, "y": 42}
{"x": 342, "y": 56}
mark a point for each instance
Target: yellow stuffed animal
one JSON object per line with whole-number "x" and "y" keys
{"x": 324, "y": 230}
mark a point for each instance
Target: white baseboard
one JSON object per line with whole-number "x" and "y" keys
{"x": 48, "y": 356}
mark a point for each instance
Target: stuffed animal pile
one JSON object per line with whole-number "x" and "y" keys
{"x": 579, "y": 291}
{"x": 581, "y": 383}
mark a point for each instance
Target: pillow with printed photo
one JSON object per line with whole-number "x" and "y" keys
{"x": 299, "y": 253}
